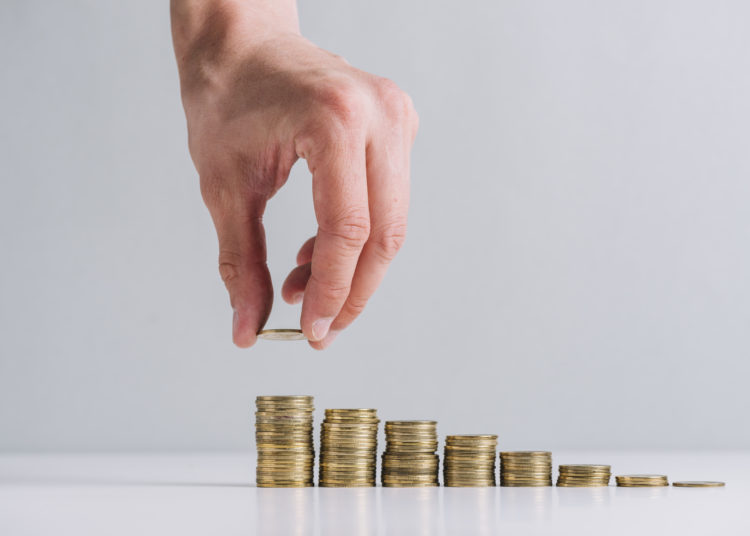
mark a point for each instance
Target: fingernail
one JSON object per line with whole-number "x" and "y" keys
{"x": 298, "y": 297}
{"x": 320, "y": 327}
{"x": 326, "y": 342}
{"x": 235, "y": 322}
{"x": 332, "y": 334}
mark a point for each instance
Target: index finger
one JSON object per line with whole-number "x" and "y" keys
{"x": 340, "y": 200}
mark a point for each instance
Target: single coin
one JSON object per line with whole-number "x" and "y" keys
{"x": 585, "y": 467}
{"x": 285, "y": 334}
{"x": 471, "y": 438}
{"x": 698, "y": 484}
{"x": 411, "y": 424}
{"x": 526, "y": 454}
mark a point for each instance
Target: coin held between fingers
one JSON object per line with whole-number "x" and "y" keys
{"x": 283, "y": 334}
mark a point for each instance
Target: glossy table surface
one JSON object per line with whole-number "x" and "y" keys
{"x": 186, "y": 494}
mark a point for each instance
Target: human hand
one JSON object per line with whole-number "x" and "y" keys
{"x": 256, "y": 104}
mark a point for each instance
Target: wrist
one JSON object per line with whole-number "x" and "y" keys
{"x": 212, "y": 35}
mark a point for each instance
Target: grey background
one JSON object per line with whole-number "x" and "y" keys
{"x": 576, "y": 268}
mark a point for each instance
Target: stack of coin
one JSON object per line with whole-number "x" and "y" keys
{"x": 584, "y": 475}
{"x": 640, "y": 481}
{"x": 409, "y": 459}
{"x": 284, "y": 438}
{"x": 469, "y": 460}
{"x": 526, "y": 468}
{"x": 348, "y": 446}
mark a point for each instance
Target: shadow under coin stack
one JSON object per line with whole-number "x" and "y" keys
{"x": 348, "y": 447}
{"x": 526, "y": 468}
{"x": 284, "y": 438}
{"x": 409, "y": 459}
{"x": 469, "y": 460}
{"x": 584, "y": 476}
{"x": 641, "y": 481}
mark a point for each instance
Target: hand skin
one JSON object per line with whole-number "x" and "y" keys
{"x": 258, "y": 96}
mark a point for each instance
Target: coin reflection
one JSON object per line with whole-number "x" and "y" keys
{"x": 348, "y": 511}
{"x": 470, "y": 510}
{"x": 411, "y": 511}
{"x": 640, "y": 493}
{"x": 288, "y": 512}
{"x": 526, "y": 504}
{"x": 583, "y": 496}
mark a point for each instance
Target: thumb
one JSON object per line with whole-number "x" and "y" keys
{"x": 242, "y": 265}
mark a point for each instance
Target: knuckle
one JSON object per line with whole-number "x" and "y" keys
{"x": 343, "y": 102}
{"x": 329, "y": 290}
{"x": 229, "y": 266}
{"x": 353, "y": 229}
{"x": 355, "y": 304}
{"x": 389, "y": 91}
{"x": 396, "y": 102}
{"x": 389, "y": 240}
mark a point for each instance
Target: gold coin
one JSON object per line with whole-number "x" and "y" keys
{"x": 698, "y": 484}
{"x": 430, "y": 446}
{"x": 350, "y": 411}
{"x": 284, "y": 334}
{"x": 285, "y": 484}
{"x": 410, "y": 484}
{"x": 345, "y": 484}
{"x": 409, "y": 459}
{"x": 641, "y": 480}
{"x": 472, "y": 484}
{"x": 527, "y": 454}
{"x": 411, "y": 424}
{"x": 348, "y": 440}
{"x": 585, "y": 468}
{"x": 525, "y": 466}
{"x": 522, "y": 483}
{"x": 284, "y": 440}
{"x": 582, "y": 474}
{"x": 471, "y": 438}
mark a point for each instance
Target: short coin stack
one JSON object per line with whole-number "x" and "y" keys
{"x": 469, "y": 460}
{"x": 584, "y": 475}
{"x": 698, "y": 484}
{"x": 409, "y": 459}
{"x": 526, "y": 468}
{"x": 284, "y": 438}
{"x": 640, "y": 481}
{"x": 348, "y": 446}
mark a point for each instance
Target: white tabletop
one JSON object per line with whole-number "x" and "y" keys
{"x": 186, "y": 494}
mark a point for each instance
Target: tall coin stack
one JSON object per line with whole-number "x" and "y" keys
{"x": 584, "y": 475}
{"x": 409, "y": 459}
{"x": 348, "y": 447}
{"x": 469, "y": 460}
{"x": 284, "y": 438}
{"x": 526, "y": 468}
{"x": 640, "y": 481}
